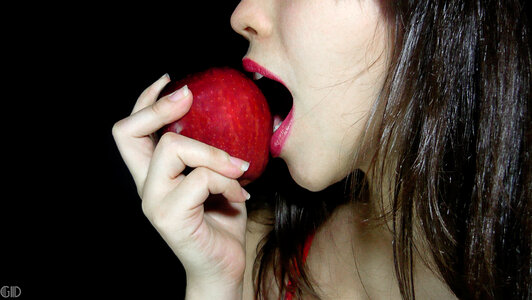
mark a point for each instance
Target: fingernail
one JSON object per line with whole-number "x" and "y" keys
{"x": 246, "y": 194}
{"x": 165, "y": 76}
{"x": 241, "y": 164}
{"x": 179, "y": 94}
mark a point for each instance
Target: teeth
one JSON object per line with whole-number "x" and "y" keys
{"x": 277, "y": 126}
{"x": 257, "y": 76}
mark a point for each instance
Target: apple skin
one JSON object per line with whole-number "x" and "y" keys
{"x": 228, "y": 112}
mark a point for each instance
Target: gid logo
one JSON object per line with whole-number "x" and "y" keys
{"x": 10, "y": 291}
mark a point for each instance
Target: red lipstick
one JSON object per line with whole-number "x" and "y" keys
{"x": 251, "y": 66}
{"x": 282, "y": 130}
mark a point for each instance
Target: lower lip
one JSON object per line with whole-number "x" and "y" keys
{"x": 281, "y": 134}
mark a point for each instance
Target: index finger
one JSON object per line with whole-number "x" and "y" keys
{"x": 151, "y": 93}
{"x": 132, "y": 134}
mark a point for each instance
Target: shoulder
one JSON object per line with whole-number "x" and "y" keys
{"x": 258, "y": 226}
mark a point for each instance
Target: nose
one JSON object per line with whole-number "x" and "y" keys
{"x": 252, "y": 19}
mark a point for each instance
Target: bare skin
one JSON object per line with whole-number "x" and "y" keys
{"x": 332, "y": 56}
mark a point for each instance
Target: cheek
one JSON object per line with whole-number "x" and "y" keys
{"x": 329, "y": 49}
{"x": 325, "y": 42}
{"x": 304, "y": 26}
{"x": 295, "y": 35}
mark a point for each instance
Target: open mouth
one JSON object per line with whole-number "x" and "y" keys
{"x": 278, "y": 96}
{"x": 274, "y": 89}
{"x": 280, "y": 101}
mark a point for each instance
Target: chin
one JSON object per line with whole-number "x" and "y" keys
{"x": 311, "y": 179}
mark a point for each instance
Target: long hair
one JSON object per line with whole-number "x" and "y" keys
{"x": 455, "y": 135}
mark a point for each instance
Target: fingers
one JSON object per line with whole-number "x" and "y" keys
{"x": 186, "y": 199}
{"x": 174, "y": 152}
{"x": 151, "y": 118}
{"x": 151, "y": 93}
{"x": 157, "y": 168}
{"x": 201, "y": 182}
{"x": 132, "y": 134}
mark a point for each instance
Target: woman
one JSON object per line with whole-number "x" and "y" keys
{"x": 424, "y": 106}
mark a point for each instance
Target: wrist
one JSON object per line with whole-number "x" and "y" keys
{"x": 213, "y": 289}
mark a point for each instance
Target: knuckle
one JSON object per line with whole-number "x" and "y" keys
{"x": 168, "y": 139}
{"x": 159, "y": 110}
{"x": 140, "y": 191}
{"x": 235, "y": 184}
{"x": 218, "y": 154}
{"x": 201, "y": 174}
{"x": 232, "y": 186}
{"x": 119, "y": 129}
{"x": 161, "y": 113}
{"x": 146, "y": 209}
{"x": 156, "y": 108}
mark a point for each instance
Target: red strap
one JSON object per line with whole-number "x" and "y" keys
{"x": 306, "y": 248}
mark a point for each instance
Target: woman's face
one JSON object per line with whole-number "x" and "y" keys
{"x": 331, "y": 55}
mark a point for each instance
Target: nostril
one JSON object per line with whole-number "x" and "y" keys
{"x": 250, "y": 30}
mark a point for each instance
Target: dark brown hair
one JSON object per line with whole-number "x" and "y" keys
{"x": 455, "y": 132}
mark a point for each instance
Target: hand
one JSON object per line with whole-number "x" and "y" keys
{"x": 205, "y": 231}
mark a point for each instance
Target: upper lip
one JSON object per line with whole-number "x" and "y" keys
{"x": 251, "y": 66}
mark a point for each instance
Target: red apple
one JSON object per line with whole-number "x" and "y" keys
{"x": 228, "y": 112}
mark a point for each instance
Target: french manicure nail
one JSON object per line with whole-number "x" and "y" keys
{"x": 179, "y": 94}
{"x": 246, "y": 194}
{"x": 241, "y": 164}
{"x": 166, "y": 75}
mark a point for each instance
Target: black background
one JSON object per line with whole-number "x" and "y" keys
{"x": 71, "y": 223}
{"x": 71, "y": 220}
